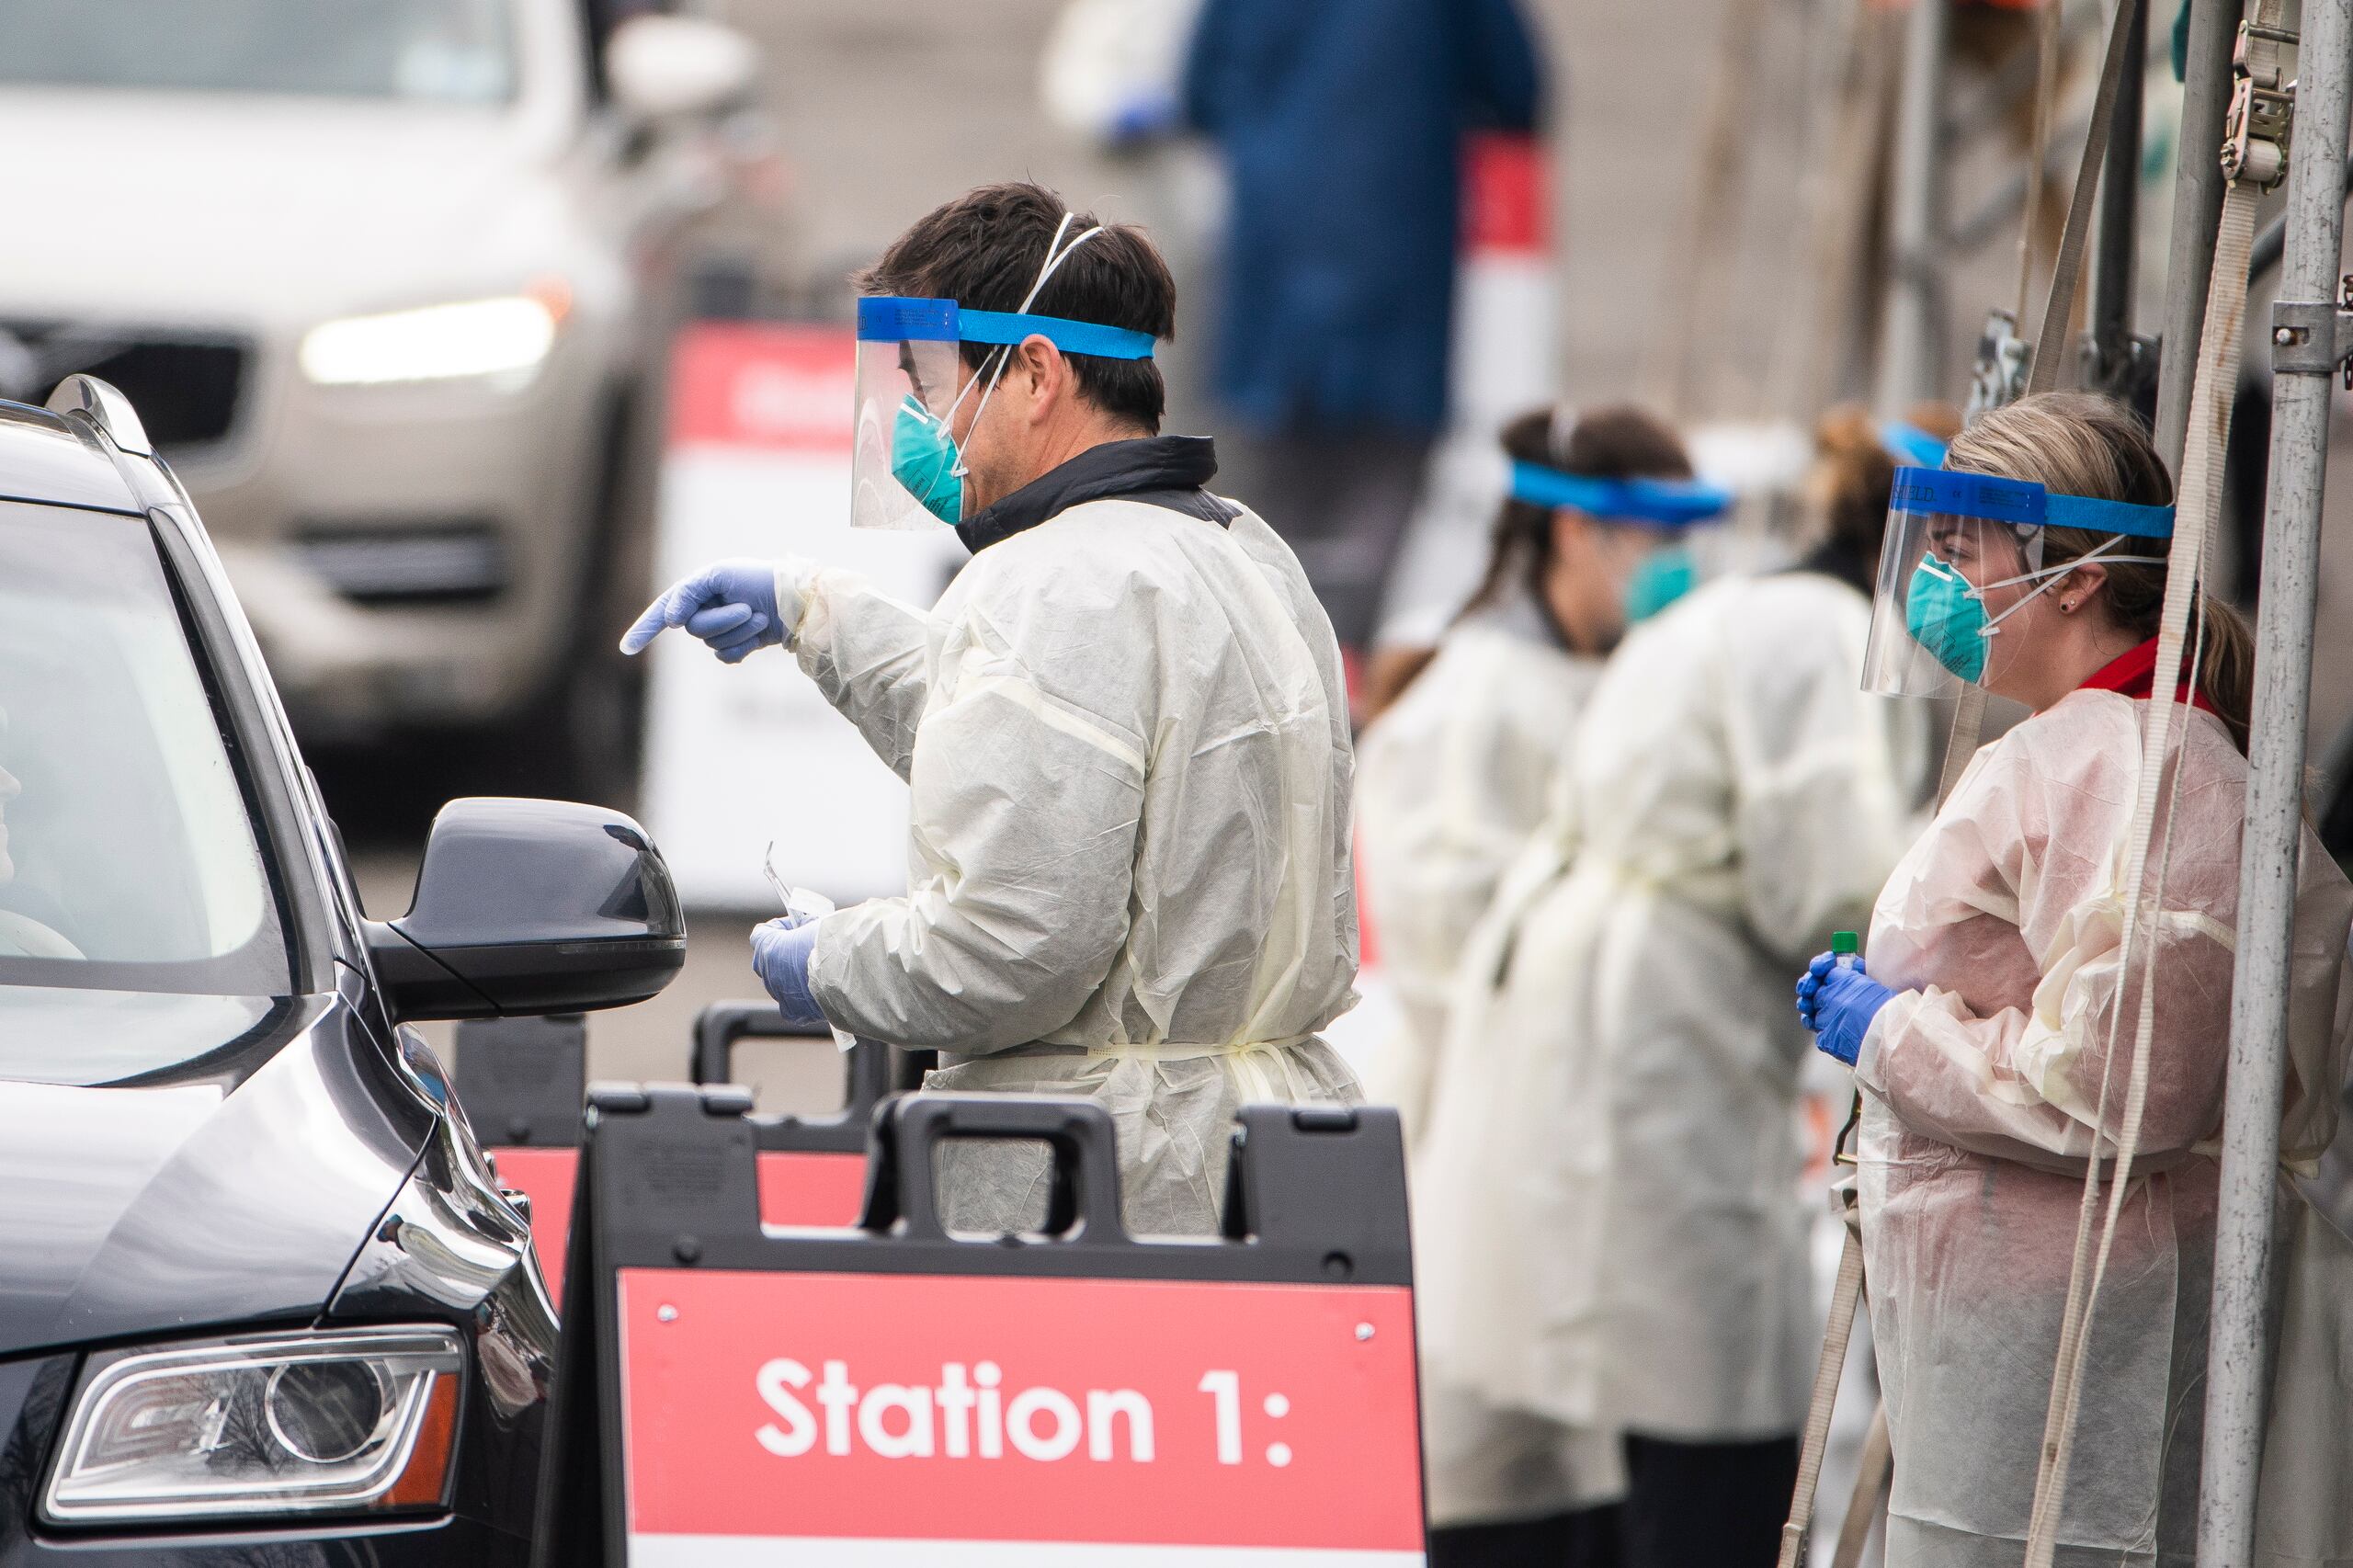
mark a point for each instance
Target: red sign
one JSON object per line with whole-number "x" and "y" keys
{"x": 763, "y": 385}
{"x": 1506, "y": 204}
{"x": 934, "y": 1419}
{"x": 545, "y": 1177}
{"x": 805, "y": 1188}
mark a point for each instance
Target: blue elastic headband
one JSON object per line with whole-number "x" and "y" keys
{"x": 2022, "y": 501}
{"x": 883, "y": 318}
{"x": 1907, "y": 443}
{"x": 1665, "y": 503}
{"x": 887, "y": 319}
{"x": 1070, "y": 336}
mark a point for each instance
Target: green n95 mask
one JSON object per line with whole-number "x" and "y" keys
{"x": 923, "y": 460}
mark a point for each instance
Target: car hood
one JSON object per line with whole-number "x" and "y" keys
{"x": 150, "y": 1209}
{"x": 201, "y": 212}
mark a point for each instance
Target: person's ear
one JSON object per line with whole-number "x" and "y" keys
{"x": 1574, "y": 535}
{"x": 2075, "y": 590}
{"x": 1048, "y": 375}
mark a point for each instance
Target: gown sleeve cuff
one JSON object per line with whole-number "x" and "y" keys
{"x": 1890, "y": 1017}
{"x": 796, "y": 578}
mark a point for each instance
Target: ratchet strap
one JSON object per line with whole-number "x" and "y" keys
{"x": 1845, "y": 1297}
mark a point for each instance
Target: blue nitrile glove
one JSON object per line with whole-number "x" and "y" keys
{"x": 1144, "y": 117}
{"x": 781, "y": 950}
{"x": 1838, "y": 1002}
{"x": 731, "y": 605}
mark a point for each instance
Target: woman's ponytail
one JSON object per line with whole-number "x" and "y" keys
{"x": 2226, "y": 664}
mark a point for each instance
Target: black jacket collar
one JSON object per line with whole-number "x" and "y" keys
{"x": 1162, "y": 471}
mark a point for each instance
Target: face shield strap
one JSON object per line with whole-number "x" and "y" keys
{"x": 1070, "y": 336}
{"x": 2021, "y": 502}
{"x": 2055, "y": 575}
{"x": 1056, "y": 253}
{"x": 1907, "y": 443}
{"x": 1657, "y": 503}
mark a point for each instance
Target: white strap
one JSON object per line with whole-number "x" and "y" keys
{"x": 1874, "y": 1475}
{"x": 1843, "y": 1297}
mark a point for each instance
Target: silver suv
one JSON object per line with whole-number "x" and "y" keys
{"x": 379, "y": 277}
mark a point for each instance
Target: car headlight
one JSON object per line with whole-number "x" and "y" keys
{"x": 505, "y": 336}
{"x": 344, "y": 1421}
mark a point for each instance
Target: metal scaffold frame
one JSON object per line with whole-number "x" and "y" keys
{"x": 2309, "y": 332}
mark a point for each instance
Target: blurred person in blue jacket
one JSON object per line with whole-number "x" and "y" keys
{"x": 1341, "y": 123}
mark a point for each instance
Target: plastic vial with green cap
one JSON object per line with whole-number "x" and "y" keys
{"x": 1845, "y": 949}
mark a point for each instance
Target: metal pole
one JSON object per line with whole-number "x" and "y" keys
{"x": 2115, "y": 250}
{"x": 2197, "y": 212}
{"x": 2238, "y": 1368}
{"x": 1911, "y": 339}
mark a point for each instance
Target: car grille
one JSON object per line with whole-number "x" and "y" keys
{"x": 184, "y": 385}
{"x": 428, "y": 560}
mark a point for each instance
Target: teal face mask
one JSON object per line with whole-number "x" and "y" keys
{"x": 1946, "y": 616}
{"x": 1659, "y": 579}
{"x": 923, "y": 458}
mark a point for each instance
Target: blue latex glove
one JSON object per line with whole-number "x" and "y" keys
{"x": 1144, "y": 117}
{"x": 1837, "y": 1003}
{"x": 781, "y": 950}
{"x": 730, "y": 605}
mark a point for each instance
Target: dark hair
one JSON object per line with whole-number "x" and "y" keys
{"x": 1618, "y": 441}
{"x": 983, "y": 249}
{"x": 2082, "y": 444}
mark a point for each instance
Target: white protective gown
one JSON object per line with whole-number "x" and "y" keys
{"x": 1450, "y": 782}
{"x": 1611, "y": 1234}
{"x": 1128, "y": 876}
{"x": 2000, "y": 934}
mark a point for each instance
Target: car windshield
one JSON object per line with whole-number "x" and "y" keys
{"x": 128, "y": 860}
{"x": 435, "y": 50}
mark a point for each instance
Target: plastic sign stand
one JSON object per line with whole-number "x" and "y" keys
{"x": 893, "y": 1394}
{"x": 521, "y": 1082}
{"x": 812, "y": 1169}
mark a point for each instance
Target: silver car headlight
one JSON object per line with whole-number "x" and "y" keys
{"x": 507, "y": 337}
{"x": 347, "y": 1420}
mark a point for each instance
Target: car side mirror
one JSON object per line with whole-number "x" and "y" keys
{"x": 527, "y": 907}
{"x": 663, "y": 68}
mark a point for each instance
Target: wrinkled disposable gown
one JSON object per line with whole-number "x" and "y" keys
{"x": 1450, "y": 782}
{"x": 1610, "y": 1235}
{"x": 2000, "y": 933}
{"x": 1128, "y": 870}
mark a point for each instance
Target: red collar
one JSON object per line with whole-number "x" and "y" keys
{"x": 2135, "y": 674}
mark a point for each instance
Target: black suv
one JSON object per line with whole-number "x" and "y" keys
{"x": 261, "y": 1298}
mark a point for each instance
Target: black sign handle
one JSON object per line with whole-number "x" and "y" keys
{"x": 721, "y": 1025}
{"x": 1083, "y": 1204}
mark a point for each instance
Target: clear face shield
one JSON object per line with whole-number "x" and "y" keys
{"x": 904, "y": 465}
{"x": 907, "y": 464}
{"x": 1660, "y": 525}
{"x": 1964, "y": 555}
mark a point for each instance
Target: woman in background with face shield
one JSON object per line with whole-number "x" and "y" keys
{"x": 1452, "y": 777}
{"x": 1997, "y": 1000}
{"x": 1609, "y": 1230}
{"x": 1450, "y": 781}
